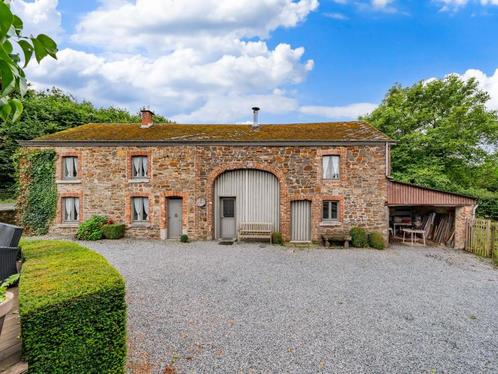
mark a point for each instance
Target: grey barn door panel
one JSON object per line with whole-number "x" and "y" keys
{"x": 257, "y": 197}
{"x": 301, "y": 221}
{"x": 174, "y": 217}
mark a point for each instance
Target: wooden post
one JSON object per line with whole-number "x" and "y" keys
{"x": 488, "y": 242}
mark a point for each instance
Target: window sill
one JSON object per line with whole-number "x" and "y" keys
{"x": 139, "y": 180}
{"x": 68, "y": 181}
{"x": 68, "y": 225}
{"x": 141, "y": 225}
{"x": 330, "y": 223}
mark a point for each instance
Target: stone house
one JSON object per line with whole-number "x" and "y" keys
{"x": 163, "y": 180}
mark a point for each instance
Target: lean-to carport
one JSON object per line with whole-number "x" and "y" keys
{"x": 441, "y": 214}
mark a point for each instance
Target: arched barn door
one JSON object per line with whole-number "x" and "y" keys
{"x": 245, "y": 196}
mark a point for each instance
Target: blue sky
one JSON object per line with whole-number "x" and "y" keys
{"x": 300, "y": 60}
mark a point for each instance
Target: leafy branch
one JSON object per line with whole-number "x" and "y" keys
{"x": 13, "y": 83}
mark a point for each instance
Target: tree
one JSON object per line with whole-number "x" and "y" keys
{"x": 12, "y": 78}
{"x": 446, "y": 137}
{"x": 49, "y": 111}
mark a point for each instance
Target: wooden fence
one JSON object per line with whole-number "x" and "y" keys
{"x": 481, "y": 237}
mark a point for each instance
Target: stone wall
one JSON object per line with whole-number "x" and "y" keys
{"x": 462, "y": 216}
{"x": 105, "y": 186}
{"x": 8, "y": 215}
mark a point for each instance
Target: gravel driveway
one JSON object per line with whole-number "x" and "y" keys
{"x": 204, "y": 308}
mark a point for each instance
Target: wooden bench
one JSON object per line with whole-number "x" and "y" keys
{"x": 255, "y": 230}
{"x": 327, "y": 239}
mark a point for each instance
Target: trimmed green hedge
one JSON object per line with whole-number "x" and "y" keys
{"x": 113, "y": 230}
{"x": 73, "y": 310}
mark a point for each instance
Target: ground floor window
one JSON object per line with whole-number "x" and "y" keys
{"x": 71, "y": 208}
{"x": 140, "y": 207}
{"x": 330, "y": 210}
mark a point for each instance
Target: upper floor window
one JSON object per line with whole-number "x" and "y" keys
{"x": 70, "y": 165}
{"x": 71, "y": 209}
{"x": 140, "y": 208}
{"x": 139, "y": 167}
{"x": 330, "y": 166}
{"x": 330, "y": 210}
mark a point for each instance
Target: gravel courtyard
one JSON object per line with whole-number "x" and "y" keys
{"x": 203, "y": 307}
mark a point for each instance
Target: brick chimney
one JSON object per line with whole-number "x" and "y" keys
{"x": 147, "y": 118}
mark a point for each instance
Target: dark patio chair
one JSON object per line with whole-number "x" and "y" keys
{"x": 9, "y": 249}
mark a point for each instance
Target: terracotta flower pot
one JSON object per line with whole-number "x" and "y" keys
{"x": 5, "y": 307}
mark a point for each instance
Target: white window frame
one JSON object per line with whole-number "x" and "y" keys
{"x": 140, "y": 209}
{"x": 139, "y": 167}
{"x": 329, "y": 210}
{"x": 331, "y": 167}
{"x": 67, "y": 168}
{"x": 70, "y": 209}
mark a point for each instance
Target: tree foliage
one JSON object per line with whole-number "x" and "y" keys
{"x": 446, "y": 136}
{"x": 12, "y": 77}
{"x": 49, "y": 111}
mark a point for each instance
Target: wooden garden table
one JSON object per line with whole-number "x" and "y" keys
{"x": 413, "y": 234}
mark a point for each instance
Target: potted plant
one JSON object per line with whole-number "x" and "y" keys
{"x": 6, "y": 298}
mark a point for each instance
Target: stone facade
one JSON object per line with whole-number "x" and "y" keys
{"x": 8, "y": 215}
{"x": 105, "y": 187}
{"x": 463, "y": 215}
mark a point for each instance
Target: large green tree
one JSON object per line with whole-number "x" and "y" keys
{"x": 49, "y": 111}
{"x": 446, "y": 136}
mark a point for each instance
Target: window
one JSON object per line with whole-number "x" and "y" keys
{"x": 71, "y": 209}
{"x": 139, "y": 167}
{"x": 330, "y": 167}
{"x": 140, "y": 206}
{"x": 330, "y": 210}
{"x": 70, "y": 165}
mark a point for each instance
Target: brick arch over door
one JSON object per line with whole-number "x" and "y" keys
{"x": 284, "y": 195}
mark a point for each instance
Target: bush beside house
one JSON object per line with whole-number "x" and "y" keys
{"x": 73, "y": 310}
{"x": 91, "y": 229}
{"x": 113, "y": 230}
{"x": 359, "y": 237}
{"x": 375, "y": 240}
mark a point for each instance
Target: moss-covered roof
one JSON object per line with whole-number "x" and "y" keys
{"x": 307, "y": 132}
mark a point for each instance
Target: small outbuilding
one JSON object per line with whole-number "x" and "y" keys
{"x": 442, "y": 216}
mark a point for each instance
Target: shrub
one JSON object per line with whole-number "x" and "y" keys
{"x": 184, "y": 238}
{"x": 276, "y": 238}
{"x": 376, "y": 240}
{"x": 113, "y": 230}
{"x": 73, "y": 310}
{"x": 359, "y": 237}
{"x": 495, "y": 257}
{"x": 91, "y": 229}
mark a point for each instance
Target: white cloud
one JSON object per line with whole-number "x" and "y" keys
{"x": 381, "y": 3}
{"x": 193, "y": 61}
{"x": 39, "y": 16}
{"x": 487, "y": 83}
{"x": 165, "y": 25}
{"x": 198, "y": 60}
{"x": 451, "y": 5}
{"x": 178, "y": 83}
{"x": 336, "y": 16}
{"x": 339, "y": 112}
